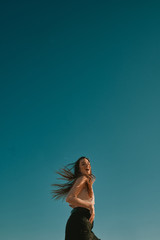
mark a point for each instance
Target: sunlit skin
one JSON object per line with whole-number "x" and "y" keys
{"x": 72, "y": 199}
{"x": 85, "y": 166}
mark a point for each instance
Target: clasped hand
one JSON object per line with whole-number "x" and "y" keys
{"x": 92, "y": 212}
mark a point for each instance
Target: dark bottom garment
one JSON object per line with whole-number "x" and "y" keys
{"x": 78, "y": 226}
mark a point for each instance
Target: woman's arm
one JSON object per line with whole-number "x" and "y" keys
{"x": 72, "y": 198}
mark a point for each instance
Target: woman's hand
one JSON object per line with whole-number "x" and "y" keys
{"x": 92, "y": 212}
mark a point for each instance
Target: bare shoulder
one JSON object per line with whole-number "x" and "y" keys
{"x": 77, "y": 187}
{"x": 81, "y": 179}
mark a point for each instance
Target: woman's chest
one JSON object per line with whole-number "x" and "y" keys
{"x": 84, "y": 194}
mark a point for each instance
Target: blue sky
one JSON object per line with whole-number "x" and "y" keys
{"x": 80, "y": 78}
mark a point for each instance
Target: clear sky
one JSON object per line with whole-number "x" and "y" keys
{"x": 80, "y": 78}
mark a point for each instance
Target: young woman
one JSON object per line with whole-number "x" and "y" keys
{"x": 78, "y": 192}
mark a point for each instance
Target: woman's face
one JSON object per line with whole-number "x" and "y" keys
{"x": 85, "y": 167}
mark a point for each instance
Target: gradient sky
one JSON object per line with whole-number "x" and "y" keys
{"x": 80, "y": 78}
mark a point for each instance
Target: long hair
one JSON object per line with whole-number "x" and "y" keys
{"x": 70, "y": 173}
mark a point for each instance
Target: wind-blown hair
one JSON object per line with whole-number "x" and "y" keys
{"x": 70, "y": 173}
